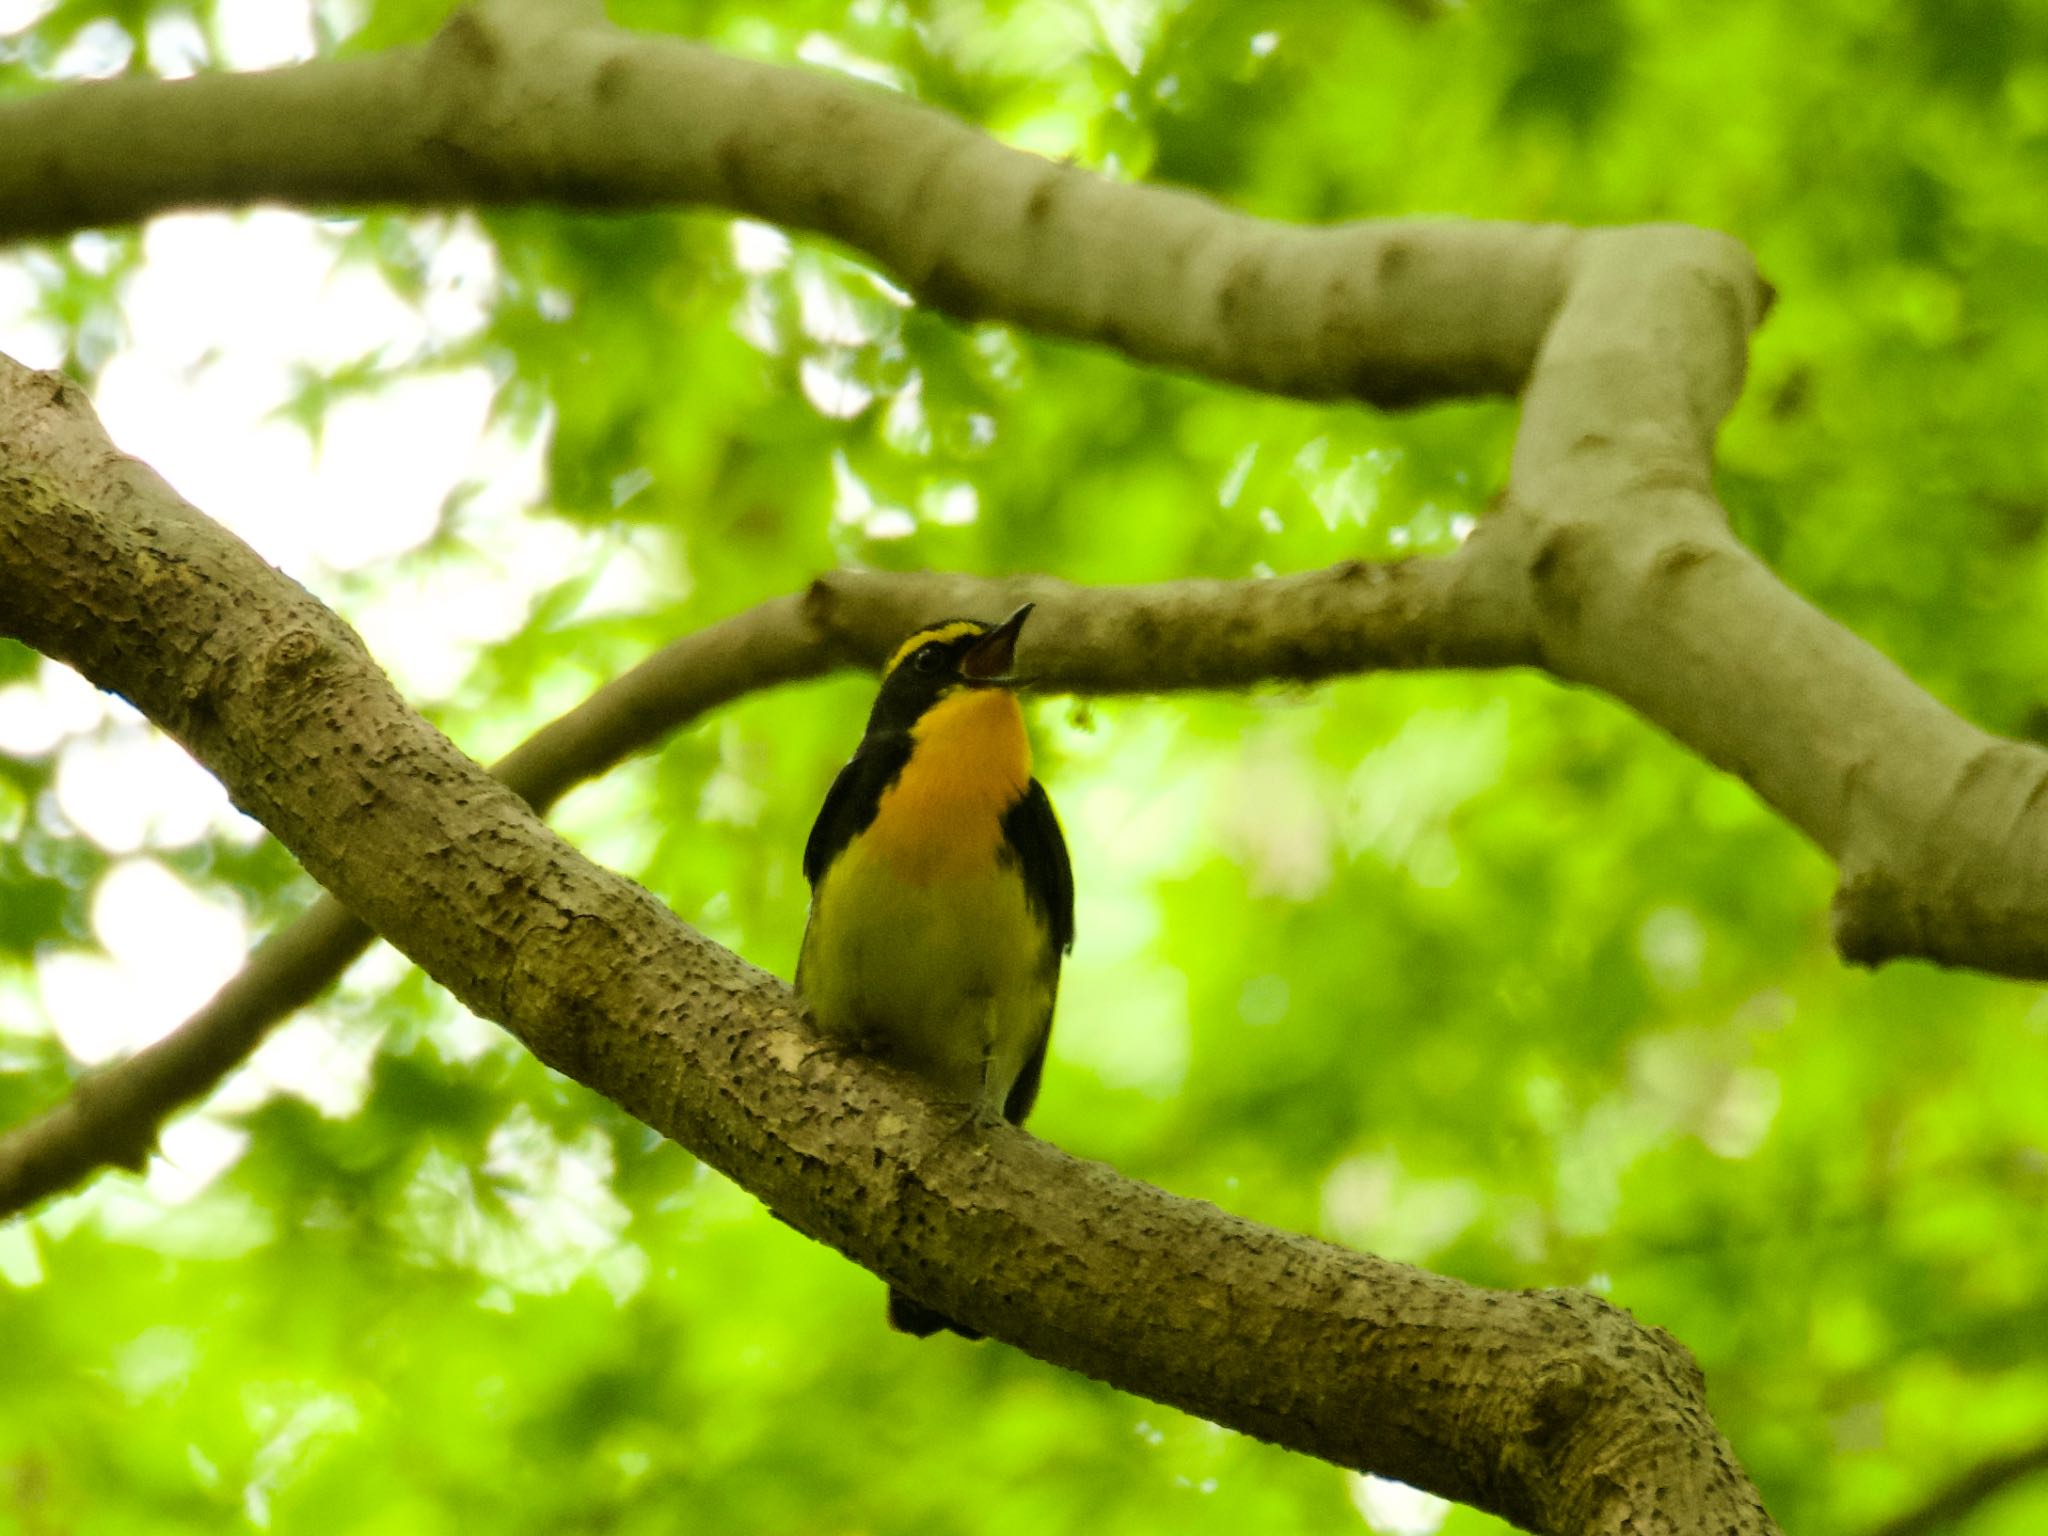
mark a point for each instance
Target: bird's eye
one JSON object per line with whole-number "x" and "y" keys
{"x": 929, "y": 658}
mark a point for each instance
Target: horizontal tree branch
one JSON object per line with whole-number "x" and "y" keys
{"x": 1303, "y": 628}
{"x": 518, "y": 104}
{"x": 1609, "y": 564}
{"x": 1615, "y": 568}
{"x": 1553, "y": 1409}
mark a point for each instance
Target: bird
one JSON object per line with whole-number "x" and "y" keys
{"x": 942, "y": 896}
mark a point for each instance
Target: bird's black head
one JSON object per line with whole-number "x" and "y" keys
{"x": 942, "y": 659}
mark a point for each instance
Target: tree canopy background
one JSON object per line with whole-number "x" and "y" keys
{"x": 1476, "y": 972}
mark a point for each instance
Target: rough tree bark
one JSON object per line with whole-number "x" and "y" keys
{"x": 1297, "y": 629}
{"x": 1553, "y": 1409}
{"x": 114, "y": 1116}
{"x": 1627, "y": 346}
{"x": 1608, "y": 564}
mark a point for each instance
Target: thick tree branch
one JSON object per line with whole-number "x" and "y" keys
{"x": 1303, "y": 628}
{"x": 1940, "y": 831}
{"x": 1553, "y": 1409}
{"x": 113, "y": 1117}
{"x": 1610, "y": 564}
{"x": 529, "y": 104}
{"x": 1615, "y": 564}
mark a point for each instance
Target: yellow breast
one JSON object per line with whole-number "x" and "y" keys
{"x": 942, "y": 820}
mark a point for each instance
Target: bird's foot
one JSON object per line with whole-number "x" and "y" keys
{"x": 828, "y": 1049}
{"x": 969, "y": 1120}
{"x": 984, "y": 1115}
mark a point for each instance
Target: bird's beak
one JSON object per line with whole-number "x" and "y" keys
{"x": 988, "y": 663}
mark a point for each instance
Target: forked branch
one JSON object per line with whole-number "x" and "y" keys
{"x": 1612, "y": 565}
{"x": 1609, "y": 564}
{"x": 1551, "y": 1408}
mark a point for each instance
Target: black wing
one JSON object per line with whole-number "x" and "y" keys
{"x": 851, "y": 802}
{"x": 1033, "y": 833}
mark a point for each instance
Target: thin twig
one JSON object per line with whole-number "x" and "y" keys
{"x": 1957, "y": 1500}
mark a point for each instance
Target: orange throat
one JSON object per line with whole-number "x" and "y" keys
{"x": 970, "y": 762}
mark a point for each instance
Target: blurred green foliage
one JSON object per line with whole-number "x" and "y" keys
{"x": 1477, "y": 972}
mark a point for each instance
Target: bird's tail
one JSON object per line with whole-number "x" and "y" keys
{"x": 920, "y": 1321}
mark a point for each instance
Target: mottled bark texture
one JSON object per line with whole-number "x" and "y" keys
{"x": 113, "y": 1118}
{"x": 1197, "y": 634}
{"x": 1609, "y": 564}
{"x": 513, "y": 105}
{"x": 1627, "y": 345}
{"x": 1551, "y": 1408}
{"x": 1354, "y": 617}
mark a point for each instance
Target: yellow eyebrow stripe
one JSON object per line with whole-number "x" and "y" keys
{"x": 953, "y": 630}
